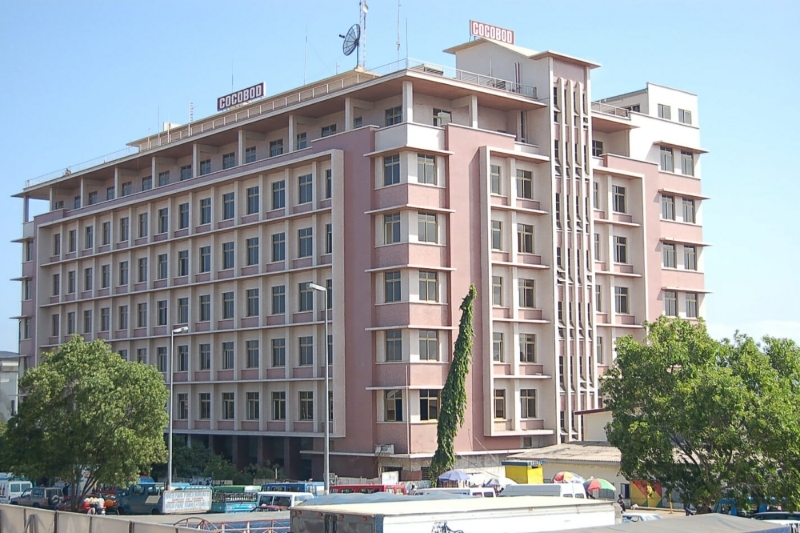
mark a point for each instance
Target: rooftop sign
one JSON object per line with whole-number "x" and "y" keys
{"x": 241, "y": 96}
{"x": 489, "y": 31}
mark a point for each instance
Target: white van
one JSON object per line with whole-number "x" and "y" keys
{"x": 12, "y": 488}
{"x": 480, "y": 492}
{"x": 563, "y": 490}
{"x": 273, "y": 500}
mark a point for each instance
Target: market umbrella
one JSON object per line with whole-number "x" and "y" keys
{"x": 454, "y": 475}
{"x": 598, "y": 484}
{"x": 567, "y": 477}
{"x": 499, "y": 482}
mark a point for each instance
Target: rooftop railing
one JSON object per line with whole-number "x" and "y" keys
{"x": 606, "y": 109}
{"x": 103, "y": 159}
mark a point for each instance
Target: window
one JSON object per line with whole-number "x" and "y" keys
{"x": 127, "y": 188}
{"x": 142, "y": 225}
{"x": 428, "y": 404}
{"x": 142, "y": 262}
{"x": 183, "y": 216}
{"x": 252, "y": 353}
{"x": 252, "y": 302}
{"x": 71, "y": 282}
{"x": 497, "y": 347}
{"x": 684, "y": 116}
{"x": 205, "y": 307}
{"x": 306, "y": 191}
{"x": 205, "y": 405}
{"x": 183, "y": 358}
{"x": 688, "y": 211}
{"x": 70, "y": 322}
{"x": 306, "y": 351}
{"x": 691, "y": 305}
{"x": 301, "y": 141}
{"x": 183, "y": 263}
{"x": 524, "y": 184}
{"x": 597, "y": 148}
{"x": 228, "y": 206}
{"x": 250, "y": 154}
{"x": 500, "y": 404}
{"x": 141, "y": 315}
{"x": 124, "y": 229}
{"x": 328, "y": 183}
{"x": 394, "y": 116}
{"x": 186, "y": 172}
{"x": 205, "y": 167}
{"x": 279, "y": 194}
{"x": 183, "y": 311}
{"x": 227, "y": 255}
{"x": 163, "y": 178}
{"x": 328, "y": 238}
{"x": 73, "y": 240}
{"x": 57, "y": 244}
{"x": 497, "y": 290}
{"x": 667, "y": 164}
{"x": 619, "y": 199}
{"x": 306, "y": 297}
{"x": 163, "y": 220}
{"x": 279, "y": 405}
{"x": 228, "y": 160}
{"x": 306, "y": 405}
{"x": 205, "y": 211}
{"x": 253, "y": 406}
{"x": 252, "y": 200}
{"x": 690, "y": 257}
{"x": 392, "y": 290}
{"x": 495, "y": 177}
{"x": 205, "y": 356}
{"x": 205, "y": 259}
{"x": 161, "y": 312}
{"x": 687, "y": 163}
{"x": 670, "y": 303}
{"x": 441, "y": 117}
{"x": 428, "y": 345}
{"x": 358, "y": 122}
{"x": 428, "y": 228}
{"x": 278, "y": 352}
{"x": 275, "y": 147}
{"x": 558, "y": 210}
{"x": 597, "y": 246}
{"x": 227, "y": 406}
{"x": 599, "y": 344}
{"x": 88, "y": 241}
{"x": 122, "y": 314}
{"x": 393, "y": 403}
{"x": 394, "y": 345}
{"x": 596, "y": 195}
{"x": 278, "y": 299}
{"x": 306, "y": 242}
{"x": 252, "y": 251}
{"x": 227, "y": 305}
{"x": 161, "y": 264}
{"x": 426, "y": 169}
{"x": 76, "y": 203}
{"x": 620, "y": 249}
{"x": 329, "y": 293}
{"x": 525, "y": 238}
{"x": 106, "y": 233}
{"x": 664, "y": 111}
{"x": 621, "y": 300}
{"x": 87, "y": 321}
{"x": 391, "y": 170}
{"x": 227, "y": 355}
{"x": 428, "y": 286}
{"x": 497, "y": 235}
{"x": 667, "y": 207}
{"x": 147, "y": 183}
{"x": 183, "y": 406}
{"x": 527, "y": 406}
{"x": 668, "y": 255}
{"x": 526, "y": 293}
{"x": 123, "y": 273}
{"x": 527, "y": 348}
{"x": 278, "y": 247}
{"x": 92, "y": 198}
{"x": 161, "y": 358}
{"x": 328, "y": 130}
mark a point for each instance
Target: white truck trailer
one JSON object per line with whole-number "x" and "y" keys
{"x": 522, "y": 514}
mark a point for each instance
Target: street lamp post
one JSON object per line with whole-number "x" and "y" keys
{"x": 327, "y": 458}
{"x": 182, "y": 329}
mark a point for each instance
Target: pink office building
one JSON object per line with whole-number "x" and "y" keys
{"x": 395, "y": 190}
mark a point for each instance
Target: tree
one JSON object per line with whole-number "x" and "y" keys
{"x": 201, "y": 462}
{"x": 707, "y": 418}
{"x": 87, "y": 412}
{"x": 454, "y": 394}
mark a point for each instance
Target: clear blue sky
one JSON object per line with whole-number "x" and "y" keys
{"x": 80, "y": 79}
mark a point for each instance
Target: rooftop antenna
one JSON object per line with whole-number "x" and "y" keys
{"x": 305, "y": 57}
{"x": 362, "y": 50}
{"x": 191, "y": 111}
{"x": 398, "y": 31}
{"x": 356, "y": 37}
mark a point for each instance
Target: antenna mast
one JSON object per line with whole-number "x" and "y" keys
{"x": 362, "y": 44}
{"x": 398, "y": 31}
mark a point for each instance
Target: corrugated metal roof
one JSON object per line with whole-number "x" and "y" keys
{"x": 573, "y": 452}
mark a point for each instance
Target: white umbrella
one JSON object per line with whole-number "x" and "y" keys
{"x": 500, "y": 481}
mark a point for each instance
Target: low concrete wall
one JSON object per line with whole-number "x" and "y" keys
{"x": 16, "y": 519}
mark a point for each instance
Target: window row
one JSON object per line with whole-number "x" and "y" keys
{"x": 526, "y": 347}
{"x": 279, "y": 406}
{"x": 397, "y": 228}
{"x": 668, "y": 208}
{"x": 526, "y": 292}
{"x": 690, "y": 304}
{"x": 669, "y": 256}
{"x": 684, "y": 115}
{"x": 622, "y": 301}
{"x": 667, "y": 163}
{"x": 524, "y": 182}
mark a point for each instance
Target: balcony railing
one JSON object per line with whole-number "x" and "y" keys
{"x": 606, "y": 109}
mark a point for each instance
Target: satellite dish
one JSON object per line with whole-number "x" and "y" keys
{"x": 351, "y": 39}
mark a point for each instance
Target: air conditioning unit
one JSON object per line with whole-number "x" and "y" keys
{"x": 386, "y": 449}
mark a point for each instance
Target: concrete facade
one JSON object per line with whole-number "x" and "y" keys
{"x": 395, "y": 191}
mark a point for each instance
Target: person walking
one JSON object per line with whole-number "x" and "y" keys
{"x": 621, "y": 502}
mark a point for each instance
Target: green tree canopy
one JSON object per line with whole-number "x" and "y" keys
{"x": 707, "y": 418}
{"x": 454, "y": 394}
{"x": 86, "y": 410}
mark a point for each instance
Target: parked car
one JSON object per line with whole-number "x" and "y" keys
{"x": 44, "y": 497}
{"x": 635, "y": 516}
{"x": 25, "y": 494}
